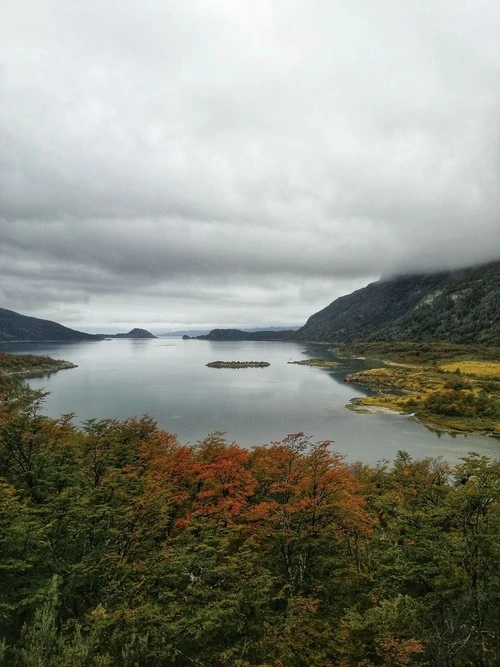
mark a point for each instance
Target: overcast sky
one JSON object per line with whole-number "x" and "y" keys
{"x": 191, "y": 164}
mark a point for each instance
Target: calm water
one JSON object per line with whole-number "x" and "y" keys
{"x": 168, "y": 379}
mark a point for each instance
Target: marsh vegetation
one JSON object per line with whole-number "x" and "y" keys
{"x": 449, "y": 387}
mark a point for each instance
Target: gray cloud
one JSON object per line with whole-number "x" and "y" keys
{"x": 241, "y": 163}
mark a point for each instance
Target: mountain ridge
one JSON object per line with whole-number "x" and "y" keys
{"x": 460, "y": 306}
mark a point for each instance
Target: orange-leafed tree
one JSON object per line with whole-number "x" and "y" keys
{"x": 224, "y": 480}
{"x": 306, "y": 504}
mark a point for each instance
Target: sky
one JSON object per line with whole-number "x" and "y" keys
{"x": 176, "y": 164}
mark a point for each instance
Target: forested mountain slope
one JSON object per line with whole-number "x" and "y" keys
{"x": 460, "y": 306}
{"x": 17, "y": 327}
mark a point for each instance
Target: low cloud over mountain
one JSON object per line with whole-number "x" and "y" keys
{"x": 232, "y": 164}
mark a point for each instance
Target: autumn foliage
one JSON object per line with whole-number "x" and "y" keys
{"x": 120, "y": 546}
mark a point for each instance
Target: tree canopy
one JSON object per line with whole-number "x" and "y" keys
{"x": 121, "y": 546}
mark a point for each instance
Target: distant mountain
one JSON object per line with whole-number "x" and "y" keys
{"x": 184, "y": 332}
{"x": 133, "y": 333}
{"x": 237, "y": 334}
{"x": 196, "y": 333}
{"x": 277, "y": 329}
{"x": 458, "y": 306}
{"x": 16, "y": 327}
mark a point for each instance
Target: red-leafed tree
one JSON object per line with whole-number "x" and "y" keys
{"x": 224, "y": 480}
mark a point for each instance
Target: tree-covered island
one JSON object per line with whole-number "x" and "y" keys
{"x": 238, "y": 364}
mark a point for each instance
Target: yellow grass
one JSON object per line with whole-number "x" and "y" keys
{"x": 483, "y": 369}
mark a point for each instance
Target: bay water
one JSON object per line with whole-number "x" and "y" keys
{"x": 167, "y": 379}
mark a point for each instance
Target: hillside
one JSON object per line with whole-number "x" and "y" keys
{"x": 458, "y": 306}
{"x": 16, "y": 327}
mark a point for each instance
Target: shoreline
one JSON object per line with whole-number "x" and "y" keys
{"x": 25, "y": 366}
{"x": 356, "y": 405}
{"x": 41, "y": 371}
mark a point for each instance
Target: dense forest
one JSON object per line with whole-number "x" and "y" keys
{"x": 120, "y": 546}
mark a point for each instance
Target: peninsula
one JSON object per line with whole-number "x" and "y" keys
{"x": 318, "y": 363}
{"x": 15, "y": 367}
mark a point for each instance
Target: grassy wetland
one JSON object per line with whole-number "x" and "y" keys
{"x": 449, "y": 387}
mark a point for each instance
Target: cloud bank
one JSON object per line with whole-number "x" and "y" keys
{"x": 237, "y": 164}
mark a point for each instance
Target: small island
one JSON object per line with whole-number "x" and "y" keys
{"x": 238, "y": 364}
{"x": 321, "y": 363}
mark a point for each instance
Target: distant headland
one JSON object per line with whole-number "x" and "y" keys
{"x": 15, "y": 328}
